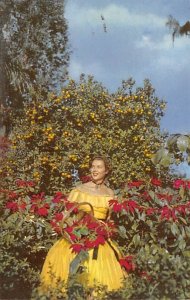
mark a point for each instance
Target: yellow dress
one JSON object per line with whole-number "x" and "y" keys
{"x": 104, "y": 270}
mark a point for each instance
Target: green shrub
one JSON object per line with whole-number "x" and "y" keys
{"x": 59, "y": 135}
{"x": 152, "y": 222}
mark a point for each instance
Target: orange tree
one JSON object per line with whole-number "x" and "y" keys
{"x": 56, "y": 137}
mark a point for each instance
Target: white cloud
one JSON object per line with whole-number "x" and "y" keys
{"x": 76, "y": 68}
{"x": 116, "y": 15}
{"x": 152, "y": 43}
{"x": 164, "y": 43}
{"x": 164, "y": 54}
{"x": 119, "y": 15}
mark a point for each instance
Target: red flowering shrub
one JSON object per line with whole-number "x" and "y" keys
{"x": 149, "y": 222}
{"x": 153, "y": 224}
{"x": 63, "y": 216}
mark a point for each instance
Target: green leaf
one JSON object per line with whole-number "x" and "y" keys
{"x": 183, "y": 143}
{"x": 150, "y": 224}
{"x": 172, "y": 140}
{"x": 166, "y": 160}
{"x": 159, "y": 155}
{"x": 174, "y": 229}
{"x": 122, "y": 231}
{"x": 181, "y": 191}
{"x": 152, "y": 194}
{"x": 142, "y": 216}
{"x": 136, "y": 239}
{"x": 182, "y": 244}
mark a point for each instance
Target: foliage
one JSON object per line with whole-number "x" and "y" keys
{"x": 178, "y": 30}
{"x": 175, "y": 151}
{"x": 4, "y": 147}
{"x": 56, "y": 138}
{"x": 35, "y": 49}
{"x": 30, "y": 225}
{"x": 153, "y": 224}
{"x": 152, "y": 221}
{"x": 21, "y": 252}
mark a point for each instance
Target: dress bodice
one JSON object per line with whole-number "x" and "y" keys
{"x": 100, "y": 203}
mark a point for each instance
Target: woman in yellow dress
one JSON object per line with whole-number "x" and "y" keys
{"x": 103, "y": 267}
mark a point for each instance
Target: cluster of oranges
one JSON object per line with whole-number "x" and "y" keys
{"x": 83, "y": 119}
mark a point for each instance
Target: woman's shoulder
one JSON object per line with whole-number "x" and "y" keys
{"x": 110, "y": 191}
{"x": 84, "y": 187}
{"x": 87, "y": 188}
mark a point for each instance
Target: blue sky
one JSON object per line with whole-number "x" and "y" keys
{"x": 137, "y": 44}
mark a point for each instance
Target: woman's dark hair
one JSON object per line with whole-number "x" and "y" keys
{"x": 106, "y": 161}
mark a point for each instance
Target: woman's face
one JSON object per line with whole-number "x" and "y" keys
{"x": 98, "y": 170}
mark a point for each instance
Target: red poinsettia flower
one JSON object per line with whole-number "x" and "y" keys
{"x": 22, "y": 206}
{"x": 111, "y": 228}
{"x": 24, "y": 183}
{"x": 167, "y": 213}
{"x": 38, "y": 197}
{"x": 58, "y": 217}
{"x": 110, "y": 224}
{"x": 90, "y": 244}
{"x": 73, "y": 237}
{"x": 93, "y": 225}
{"x": 42, "y": 211}
{"x": 127, "y": 263}
{"x": 178, "y": 183}
{"x": 165, "y": 197}
{"x": 70, "y": 205}
{"x": 181, "y": 209}
{"x": 130, "y": 205}
{"x": 31, "y": 183}
{"x": 59, "y": 197}
{"x": 13, "y": 195}
{"x": 19, "y": 183}
{"x": 77, "y": 248}
{"x": 112, "y": 201}
{"x": 150, "y": 211}
{"x": 117, "y": 207}
{"x": 69, "y": 230}
{"x": 12, "y": 206}
{"x": 101, "y": 230}
{"x": 156, "y": 181}
{"x": 100, "y": 240}
{"x": 135, "y": 183}
{"x": 174, "y": 217}
{"x": 87, "y": 219}
{"x": 145, "y": 195}
{"x": 55, "y": 226}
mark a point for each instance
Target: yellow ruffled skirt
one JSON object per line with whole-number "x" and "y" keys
{"x": 104, "y": 270}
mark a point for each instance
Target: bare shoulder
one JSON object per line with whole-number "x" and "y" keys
{"x": 110, "y": 191}
{"x": 83, "y": 186}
